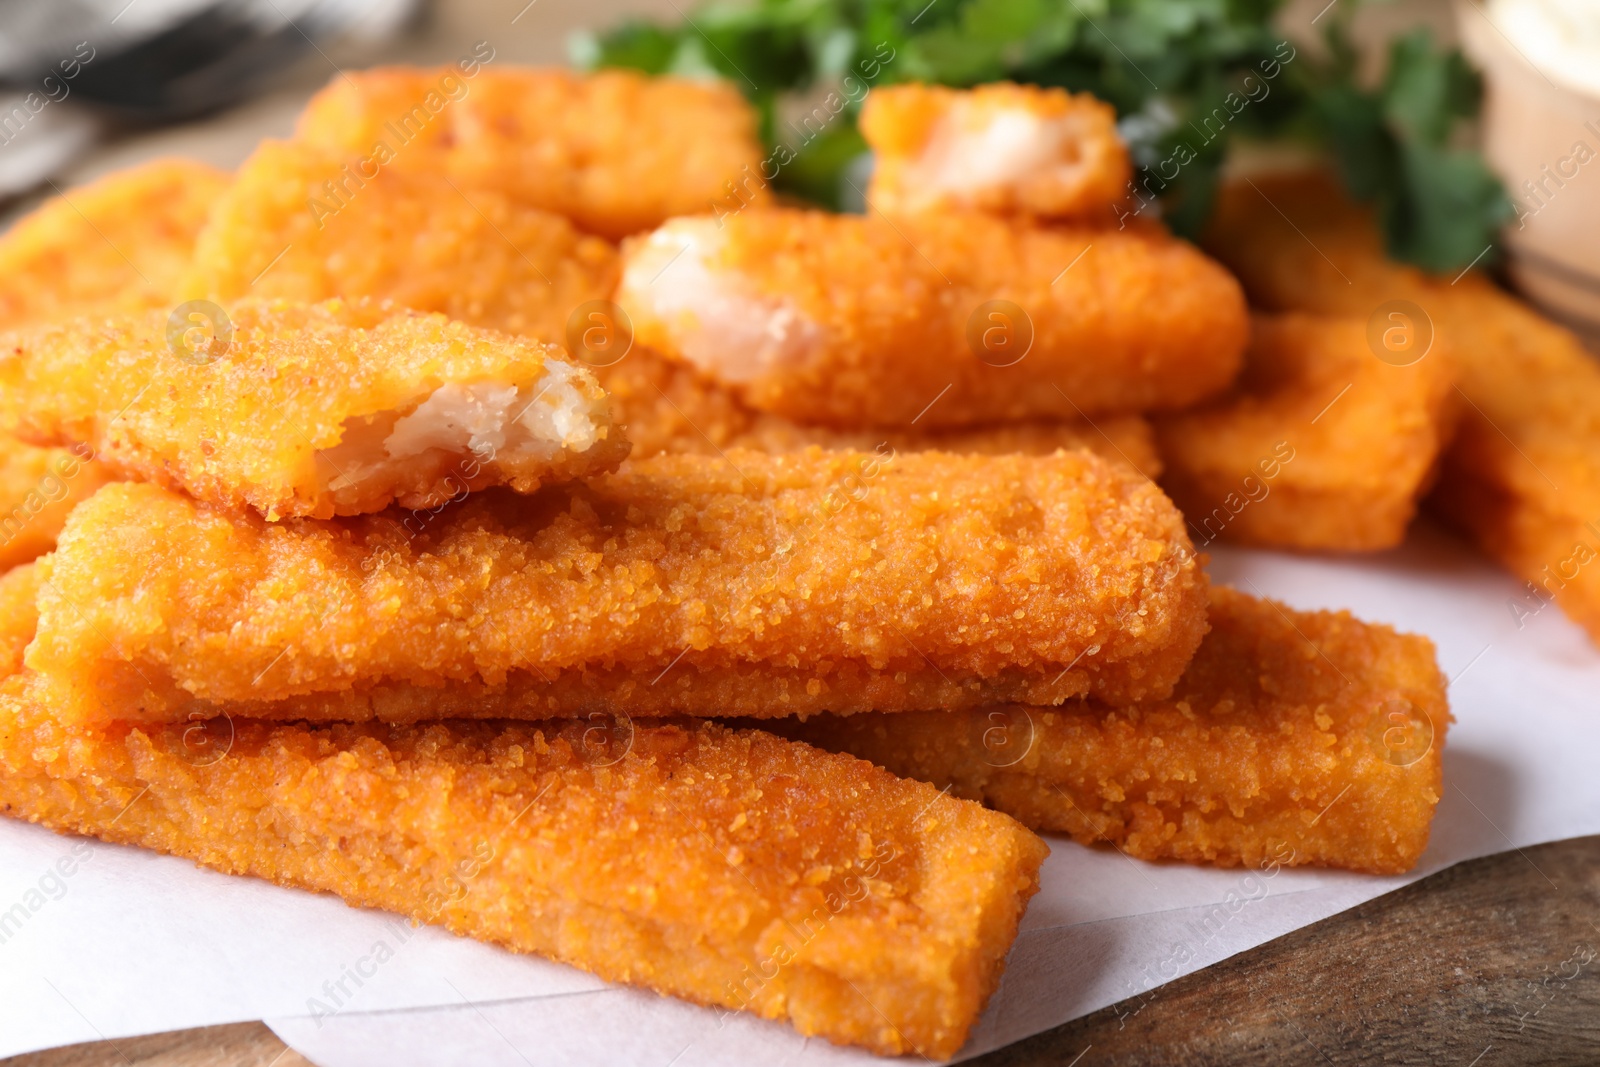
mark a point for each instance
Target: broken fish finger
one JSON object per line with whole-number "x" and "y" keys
{"x": 1001, "y": 148}
{"x": 938, "y": 321}
{"x": 324, "y": 409}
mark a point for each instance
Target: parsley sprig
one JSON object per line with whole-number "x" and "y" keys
{"x": 1188, "y": 78}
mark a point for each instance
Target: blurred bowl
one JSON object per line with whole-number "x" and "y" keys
{"x": 1541, "y": 133}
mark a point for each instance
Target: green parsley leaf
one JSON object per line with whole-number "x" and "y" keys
{"x": 1187, "y": 77}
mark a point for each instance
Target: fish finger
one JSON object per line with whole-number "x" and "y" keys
{"x": 755, "y": 584}
{"x": 1522, "y": 475}
{"x": 1002, "y": 148}
{"x": 39, "y": 487}
{"x": 119, "y": 243}
{"x": 665, "y": 406}
{"x": 308, "y": 409}
{"x": 1321, "y": 445}
{"x": 305, "y": 225}
{"x": 616, "y": 151}
{"x": 1295, "y": 737}
{"x": 727, "y": 867}
{"x": 938, "y": 321}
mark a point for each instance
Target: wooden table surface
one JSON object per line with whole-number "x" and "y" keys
{"x": 1492, "y": 962}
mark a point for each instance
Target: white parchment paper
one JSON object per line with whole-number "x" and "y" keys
{"x": 131, "y": 943}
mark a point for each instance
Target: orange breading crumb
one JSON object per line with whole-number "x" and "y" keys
{"x": 935, "y": 320}
{"x": 1295, "y": 737}
{"x": 119, "y": 243}
{"x": 1002, "y": 148}
{"x": 300, "y": 224}
{"x": 758, "y": 584}
{"x": 664, "y": 406}
{"x": 19, "y": 616}
{"x": 309, "y": 409}
{"x": 1338, "y": 270}
{"x": 1522, "y": 476}
{"x": 1320, "y": 445}
{"x": 615, "y": 151}
{"x": 39, "y": 487}
{"x": 730, "y": 868}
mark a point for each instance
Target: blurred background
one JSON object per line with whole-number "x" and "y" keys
{"x": 1478, "y": 157}
{"x": 210, "y": 78}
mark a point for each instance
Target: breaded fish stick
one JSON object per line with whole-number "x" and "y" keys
{"x": 938, "y": 320}
{"x": 19, "y": 618}
{"x": 727, "y": 867}
{"x": 1337, "y": 268}
{"x": 1002, "y": 148}
{"x": 617, "y": 152}
{"x": 665, "y": 406}
{"x": 756, "y": 584}
{"x": 119, "y": 243}
{"x": 1320, "y": 445}
{"x": 300, "y": 224}
{"x": 309, "y": 409}
{"x": 1303, "y": 737}
{"x": 39, "y": 487}
{"x": 1522, "y": 476}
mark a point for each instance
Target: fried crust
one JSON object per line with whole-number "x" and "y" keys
{"x": 1295, "y": 737}
{"x": 1522, "y": 476}
{"x": 1319, "y": 446}
{"x": 39, "y": 487}
{"x": 304, "y": 225}
{"x": 253, "y": 420}
{"x": 119, "y": 243}
{"x": 616, "y": 151}
{"x": 875, "y": 322}
{"x": 665, "y": 406}
{"x": 730, "y": 868}
{"x": 759, "y": 585}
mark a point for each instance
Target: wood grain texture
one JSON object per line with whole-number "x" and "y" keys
{"x": 234, "y": 1045}
{"x": 1489, "y": 963}
{"x": 1480, "y": 965}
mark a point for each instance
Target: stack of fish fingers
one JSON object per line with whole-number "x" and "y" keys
{"x": 757, "y": 633}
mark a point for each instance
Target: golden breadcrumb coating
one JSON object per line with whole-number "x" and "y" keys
{"x": 309, "y": 409}
{"x": 616, "y": 151}
{"x": 19, "y": 616}
{"x": 1320, "y": 445}
{"x": 730, "y": 868}
{"x": 1522, "y": 476}
{"x": 935, "y": 320}
{"x": 1295, "y": 737}
{"x": 301, "y": 224}
{"x": 119, "y": 243}
{"x": 756, "y": 584}
{"x": 665, "y": 406}
{"x": 1002, "y": 148}
{"x": 1246, "y": 233}
{"x": 39, "y": 487}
